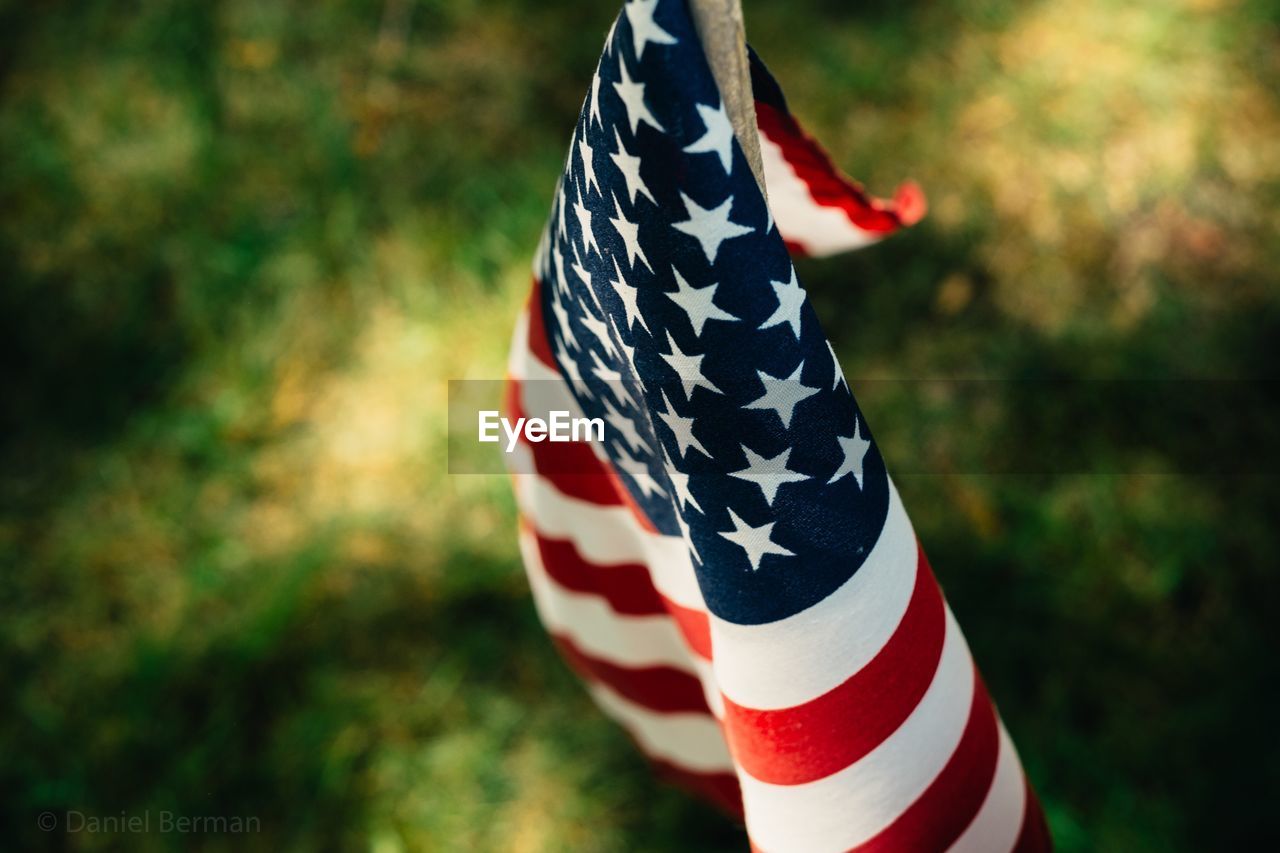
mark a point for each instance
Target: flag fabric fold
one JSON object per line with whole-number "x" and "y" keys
{"x": 731, "y": 571}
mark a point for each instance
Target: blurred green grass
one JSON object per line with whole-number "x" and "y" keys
{"x": 244, "y": 245}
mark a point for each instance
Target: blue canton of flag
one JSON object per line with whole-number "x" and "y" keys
{"x": 675, "y": 301}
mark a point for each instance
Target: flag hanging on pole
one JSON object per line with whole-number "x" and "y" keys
{"x": 731, "y": 570}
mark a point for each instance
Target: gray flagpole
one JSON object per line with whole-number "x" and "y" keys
{"x": 719, "y": 25}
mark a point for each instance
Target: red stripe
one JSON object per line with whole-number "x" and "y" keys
{"x": 627, "y": 587}
{"x": 720, "y": 788}
{"x": 694, "y": 626}
{"x": 1034, "y": 837}
{"x": 574, "y": 467}
{"x": 829, "y": 187}
{"x": 571, "y": 466}
{"x": 794, "y": 249}
{"x": 659, "y": 688}
{"x": 947, "y": 807}
{"x": 593, "y": 488}
{"x": 790, "y": 746}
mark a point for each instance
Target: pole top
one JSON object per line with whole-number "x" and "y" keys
{"x": 720, "y": 28}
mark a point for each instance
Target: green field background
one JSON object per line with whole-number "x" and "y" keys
{"x": 244, "y": 246}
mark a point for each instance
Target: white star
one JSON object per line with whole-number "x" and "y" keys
{"x": 561, "y": 278}
{"x": 594, "y": 112}
{"x": 718, "y": 139}
{"x": 598, "y": 329}
{"x": 681, "y": 428}
{"x": 612, "y": 379}
{"x": 782, "y": 395}
{"x": 688, "y": 368}
{"x": 628, "y": 295}
{"x": 562, "y": 319}
{"x": 684, "y": 497}
{"x": 557, "y": 258}
{"x": 629, "y": 166}
{"x": 570, "y": 368}
{"x": 710, "y": 227}
{"x": 639, "y": 472}
{"x": 790, "y": 300}
{"x": 855, "y": 450}
{"x": 630, "y": 234}
{"x": 768, "y": 474}
{"x": 684, "y": 531}
{"x": 632, "y": 95}
{"x": 696, "y": 302}
{"x": 835, "y": 366}
{"x": 625, "y": 427}
{"x": 628, "y": 351}
{"x": 584, "y": 275}
{"x": 588, "y": 164}
{"x": 643, "y": 28}
{"x": 560, "y": 205}
{"x": 755, "y": 541}
{"x": 584, "y": 221}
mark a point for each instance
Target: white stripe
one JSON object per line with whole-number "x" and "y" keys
{"x": 789, "y": 662}
{"x": 710, "y": 686}
{"x": 996, "y": 826}
{"x": 852, "y": 805}
{"x": 601, "y": 632}
{"x": 518, "y": 360}
{"x": 690, "y": 741}
{"x": 596, "y": 628}
{"x": 608, "y": 534}
{"x": 818, "y": 229}
{"x": 535, "y": 371}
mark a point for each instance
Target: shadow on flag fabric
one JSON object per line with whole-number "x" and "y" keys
{"x": 731, "y": 570}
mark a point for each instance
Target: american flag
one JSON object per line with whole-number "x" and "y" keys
{"x": 731, "y": 571}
